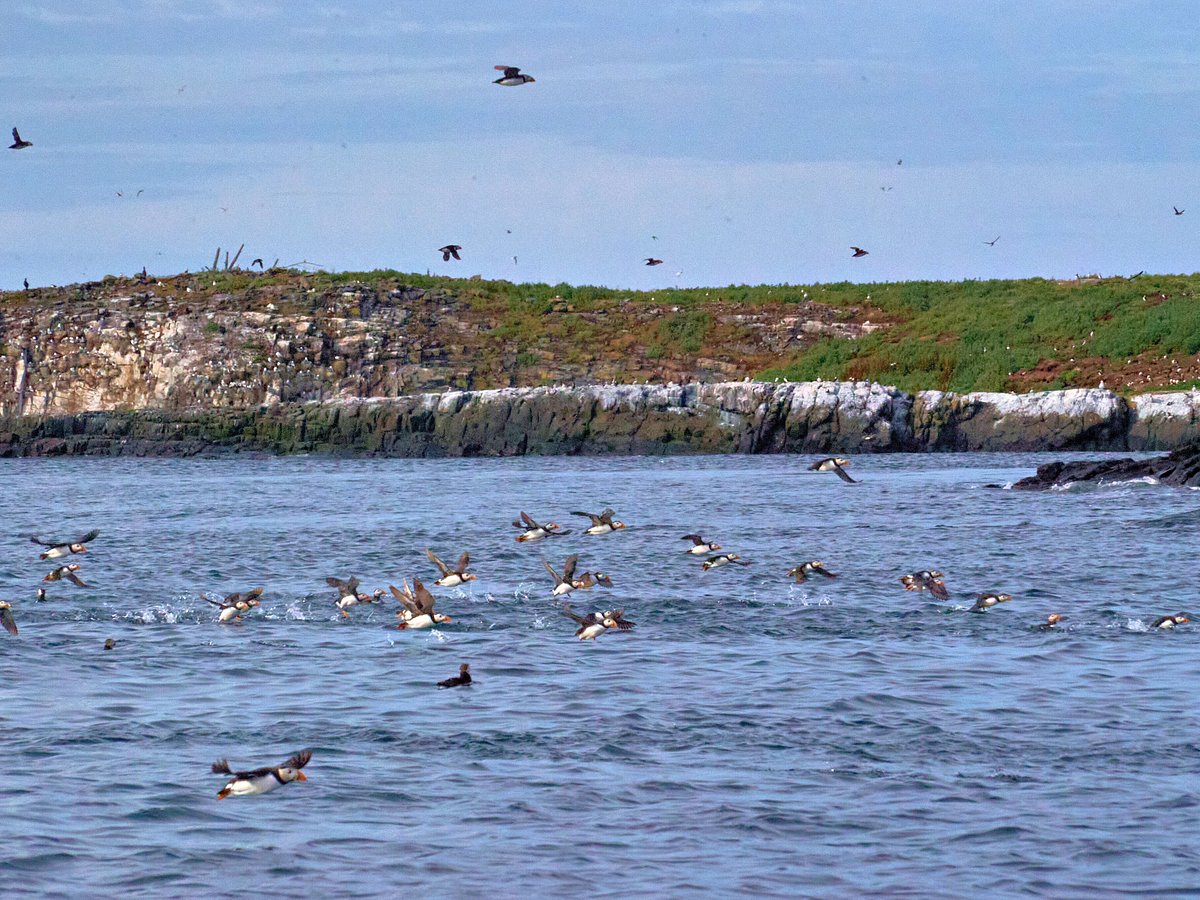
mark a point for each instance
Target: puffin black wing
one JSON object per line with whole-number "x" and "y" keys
{"x": 574, "y": 615}
{"x": 463, "y": 561}
{"x": 7, "y": 620}
{"x": 569, "y": 567}
{"x": 694, "y": 538}
{"x": 298, "y": 761}
{"x": 442, "y": 567}
{"x": 347, "y": 587}
{"x": 75, "y": 579}
{"x": 595, "y": 519}
{"x": 842, "y": 474}
{"x": 509, "y": 72}
{"x": 938, "y": 589}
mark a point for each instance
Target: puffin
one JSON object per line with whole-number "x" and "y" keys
{"x": 463, "y": 677}
{"x": 41, "y": 594}
{"x": 1051, "y": 620}
{"x": 417, "y": 606}
{"x": 532, "y": 531}
{"x": 587, "y": 579}
{"x": 235, "y": 604}
{"x": 17, "y": 143}
{"x": 1160, "y": 622}
{"x": 512, "y": 76}
{"x": 929, "y": 580}
{"x": 110, "y": 643}
{"x": 67, "y": 572}
{"x": 595, "y": 624}
{"x": 813, "y": 567}
{"x": 450, "y": 250}
{"x": 64, "y": 548}
{"x": 651, "y": 261}
{"x": 452, "y": 577}
{"x": 722, "y": 559}
{"x": 984, "y": 602}
{"x": 699, "y": 545}
{"x": 565, "y": 583}
{"x": 6, "y": 617}
{"x": 833, "y": 464}
{"x": 348, "y": 594}
{"x": 259, "y": 781}
{"x": 602, "y": 523}
{"x": 858, "y": 251}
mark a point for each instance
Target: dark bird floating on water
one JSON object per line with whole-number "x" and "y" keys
{"x": 450, "y": 250}
{"x": 1051, "y": 620}
{"x": 512, "y": 76}
{"x": 1160, "y": 622}
{"x": 651, "y": 261}
{"x": 992, "y": 243}
{"x": 17, "y": 143}
{"x": 858, "y": 251}
{"x": 463, "y": 677}
{"x": 1178, "y": 211}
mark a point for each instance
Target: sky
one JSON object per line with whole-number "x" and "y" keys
{"x": 741, "y": 141}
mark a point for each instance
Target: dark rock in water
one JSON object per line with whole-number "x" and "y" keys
{"x": 1180, "y": 469}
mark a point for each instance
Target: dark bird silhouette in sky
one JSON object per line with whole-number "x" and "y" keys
{"x": 1178, "y": 211}
{"x": 450, "y": 250}
{"x": 993, "y": 242}
{"x": 257, "y": 262}
{"x": 17, "y": 143}
{"x": 512, "y": 76}
{"x": 651, "y": 261}
{"x": 858, "y": 251}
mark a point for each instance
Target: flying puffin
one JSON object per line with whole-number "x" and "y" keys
{"x": 929, "y": 580}
{"x": 723, "y": 559}
{"x": 512, "y": 76}
{"x": 6, "y": 617}
{"x": 348, "y": 594}
{"x": 452, "y": 577}
{"x": 532, "y": 531}
{"x": 235, "y": 604}
{"x": 450, "y": 250}
{"x": 259, "y": 781}
{"x": 17, "y": 143}
{"x": 565, "y": 583}
{"x": 813, "y": 567}
{"x": 858, "y": 251}
{"x": 67, "y": 572}
{"x": 651, "y": 261}
{"x": 699, "y": 545}
{"x": 984, "y": 602}
{"x": 63, "y": 548}
{"x": 594, "y": 624}
{"x": 833, "y": 464}
{"x": 602, "y": 523}
{"x": 463, "y": 677}
{"x": 417, "y": 606}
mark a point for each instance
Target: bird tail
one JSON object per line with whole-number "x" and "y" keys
{"x": 221, "y": 767}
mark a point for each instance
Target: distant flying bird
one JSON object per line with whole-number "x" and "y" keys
{"x": 17, "y": 143}
{"x": 899, "y": 162}
{"x": 858, "y": 251}
{"x": 833, "y": 464}
{"x": 6, "y": 617}
{"x": 140, "y": 192}
{"x": 119, "y": 194}
{"x": 887, "y": 188}
{"x": 992, "y": 243}
{"x": 512, "y": 76}
{"x": 1178, "y": 211}
{"x": 257, "y": 262}
{"x": 651, "y": 261}
{"x": 450, "y": 250}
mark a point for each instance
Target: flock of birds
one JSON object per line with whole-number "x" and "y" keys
{"x": 417, "y": 604}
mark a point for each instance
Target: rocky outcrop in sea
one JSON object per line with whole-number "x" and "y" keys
{"x": 1179, "y": 469}
{"x": 732, "y": 417}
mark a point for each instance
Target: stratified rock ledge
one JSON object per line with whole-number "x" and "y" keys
{"x": 733, "y": 417}
{"x": 1180, "y": 469}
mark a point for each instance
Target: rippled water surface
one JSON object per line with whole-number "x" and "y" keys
{"x": 749, "y": 735}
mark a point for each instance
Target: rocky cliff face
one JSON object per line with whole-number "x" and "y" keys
{"x": 739, "y": 417}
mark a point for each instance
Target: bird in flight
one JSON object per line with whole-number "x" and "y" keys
{"x": 512, "y": 76}
{"x": 17, "y": 143}
{"x": 1178, "y": 211}
{"x": 993, "y": 242}
{"x": 858, "y": 251}
{"x": 450, "y": 250}
{"x": 651, "y": 261}
{"x": 257, "y": 262}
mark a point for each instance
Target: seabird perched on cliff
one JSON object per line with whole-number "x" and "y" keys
{"x": 17, "y": 143}
{"x": 512, "y": 76}
{"x": 450, "y": 250}
{"x": 858, "y": 251}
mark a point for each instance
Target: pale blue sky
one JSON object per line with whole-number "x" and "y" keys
{"x": 752, "y": 137}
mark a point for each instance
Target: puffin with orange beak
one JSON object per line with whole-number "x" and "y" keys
{"x": 259, "y": 781}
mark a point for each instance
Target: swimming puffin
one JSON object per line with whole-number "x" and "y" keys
{"x": 601, "y": 524}
{"x": 348, "y": 594}
{"x": 1170, "y": 621}
{"x": 63, "y": 548}
{"x": 463, "y": 677}
{"x": 532, "y": 531}
{"x": 259, "y": 781}
{"x": 699, "y": 545}
{"x": 417, "y": 606}
{"x": 984, "y": 602}
{"x": 6, "y": 617}
{"x": 235, "y": 604}
{"x": 17, "y": 143}
{"x": 930, "y": 580}
{"x": 452, "y": 577}
{"x": 813, "y": 567}
{"x": 594, "y": 624}
{"x": 833, "y": 464}
{"x": 512, "y": 76}
{"x": 1051, "y": 620}
{"x": 41, "y": 594}
{"x": 450, "y": 250}
{"x": 565, "y": 583}
{"x": 722, "y": 559}
{"x": 67, "y": 572}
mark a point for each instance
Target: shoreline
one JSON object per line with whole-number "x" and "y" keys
{"x": 642, "y": 420}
